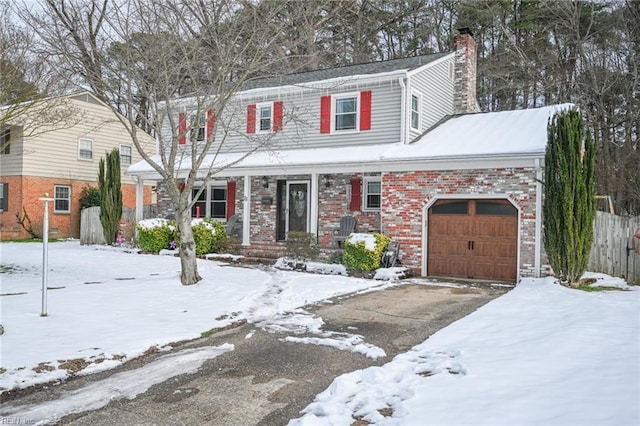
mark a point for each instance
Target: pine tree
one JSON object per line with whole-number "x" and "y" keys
{"x": 570, "y": 189}
{"x": 110, "y": 195}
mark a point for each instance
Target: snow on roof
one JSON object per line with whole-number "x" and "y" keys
{"x": 465, "y": 136}
{"x": 481, "y": 134}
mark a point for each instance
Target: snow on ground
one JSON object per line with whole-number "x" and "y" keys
{"x": 541, "y": 354}
{"x": 127, "y": 384}
{"x": 106, "y": 306}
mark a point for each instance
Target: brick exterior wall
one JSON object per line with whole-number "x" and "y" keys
{"x": 24, "y": 192}
{"x": 405, "y": 194}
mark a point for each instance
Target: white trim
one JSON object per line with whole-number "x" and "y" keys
{"x": 403, "y": 101}
{"x": 418, "y": 96}
{"x": 139, "y": 199}
{"x": 537, "y": 262}
{"x": 347, "y": 95}
{"x": 80, "y": 140}
{"x": 365, "y": 192}
{"x": 437, "y": 197}
{"x": 246, "y": 212}
{"x": 258, "y": 107}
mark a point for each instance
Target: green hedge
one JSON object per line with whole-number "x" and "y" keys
{"x": 356, "y": 255}
{"x": 156, "y": 234}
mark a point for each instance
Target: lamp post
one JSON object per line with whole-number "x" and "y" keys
{"x": 45, "y": 251}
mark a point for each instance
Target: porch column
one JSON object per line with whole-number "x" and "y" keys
{"x": 246, "y": 212}
{"x": 139, "y": 199}
{"x": 315, "y": 190}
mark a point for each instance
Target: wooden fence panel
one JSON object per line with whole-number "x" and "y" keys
{"x": 610, "y": 253}
{"x": 90, "y": 226}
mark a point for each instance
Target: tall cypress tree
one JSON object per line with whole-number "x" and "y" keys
{"x": 110, "y": 195}
{"x": 570, "y": 189}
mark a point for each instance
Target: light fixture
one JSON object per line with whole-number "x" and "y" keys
{"x": 265, "y": 182}
{"x": 326, "y": 181}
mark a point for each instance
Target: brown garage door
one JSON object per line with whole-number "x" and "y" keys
{"x": 473, "y": 239}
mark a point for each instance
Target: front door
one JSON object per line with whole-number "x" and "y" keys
{"x": 297, "y": 206}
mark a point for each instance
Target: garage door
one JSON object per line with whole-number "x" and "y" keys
{"x": 473, "y": 239}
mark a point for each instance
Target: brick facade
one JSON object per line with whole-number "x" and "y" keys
{"x": 406, "y": 195}
{"x": 24, "y": 192}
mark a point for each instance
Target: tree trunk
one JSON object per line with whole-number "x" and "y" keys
{"x": 188, "y": 260}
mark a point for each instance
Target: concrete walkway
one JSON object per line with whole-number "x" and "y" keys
{"x": 266, "y": 381}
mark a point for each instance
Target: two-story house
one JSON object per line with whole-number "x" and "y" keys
{"x": 400, "y": 146}
{"x": 57, "y": 153}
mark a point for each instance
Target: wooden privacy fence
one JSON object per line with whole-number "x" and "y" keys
{"x": 612, "y": 252}
{"x": 91, "y": 228}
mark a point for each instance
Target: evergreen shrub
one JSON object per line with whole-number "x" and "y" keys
{"x": 358, "y": 257}
{"x": 156, "y": 234}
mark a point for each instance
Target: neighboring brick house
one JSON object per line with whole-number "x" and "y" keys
{"x": 58, "y": 154}
{"x": 400, "y": 146}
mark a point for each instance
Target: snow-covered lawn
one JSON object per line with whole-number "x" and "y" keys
{"x": 541, "y": 354}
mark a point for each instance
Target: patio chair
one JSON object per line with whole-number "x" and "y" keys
{"x": 390, "y": 257}
{"x": 231, "y": 223}
{"x": 347, "y": 226}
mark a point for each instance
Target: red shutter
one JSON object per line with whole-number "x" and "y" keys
{"x": 251, "y": 118}
{"x": 356, "y": 194}
{"x": 182, "y": 128}
{"x": 325, "y": 114}
{"x": 365, "y": 110}
{"x": 231, "y": 198}
{"x": 278, "y": 112}
{"x": 211, "y": 122}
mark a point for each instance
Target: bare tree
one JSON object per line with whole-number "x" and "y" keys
{"x": 169, "y": 67}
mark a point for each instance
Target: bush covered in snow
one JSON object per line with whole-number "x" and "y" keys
{"x": 156, "y": 234}
{"x": 363, "y": 252}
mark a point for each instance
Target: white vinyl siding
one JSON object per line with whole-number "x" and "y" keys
{"x": 54, "y": 153}
{"x": 62, "y": 197}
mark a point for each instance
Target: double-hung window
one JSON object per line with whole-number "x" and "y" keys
{"x": 415, "y": 111}
{"x": 372, "y": 193}
{"x": 85, "y": 149}
{"x": 265, "y": 117}
{"x": 4, "y": 197}
{"x": 125, "y": 154}
{"x": 212, "y": 202}
{"x": 62, "y": 199}
{"x": 346, "y": 113}
{"x": 5, "y": 141}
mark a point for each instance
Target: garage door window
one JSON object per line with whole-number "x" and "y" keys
{"x": 495, "y": 208}
{"x": 450, "y": 207}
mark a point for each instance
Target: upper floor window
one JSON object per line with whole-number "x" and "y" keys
{"x": 372, "y": 192}
{"x": 4, "y": 197}
{"x": 265, "y": 117}
{"x": 201, "y": 127}
{"x": 345, "y": 112}
{"x": 415, "y": 111}
{"x": 85, "y": 149}
{"x": 125, "y": 154}
{"x": 346, "y": 115}
{"x": 62, "y": 199}
{"x": 5, "y": 141}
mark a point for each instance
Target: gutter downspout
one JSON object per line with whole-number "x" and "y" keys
{"x": 403, "y": 102}
{"x": 538, "y": 228}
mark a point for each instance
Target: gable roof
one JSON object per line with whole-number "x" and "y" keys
{"x": 370, "y": 68}
{"x": 463, "y": 141}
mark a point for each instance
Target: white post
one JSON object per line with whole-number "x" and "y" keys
{"x": 45, "y": 252}
{"x": 246, "y": 212}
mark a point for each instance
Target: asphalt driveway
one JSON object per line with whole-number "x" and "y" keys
{"x": 267, "y": 381}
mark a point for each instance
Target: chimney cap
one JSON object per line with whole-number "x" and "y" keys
{"x": 465, "y": 30}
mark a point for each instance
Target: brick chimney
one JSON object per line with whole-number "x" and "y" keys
{"x": 465, "y": 73}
